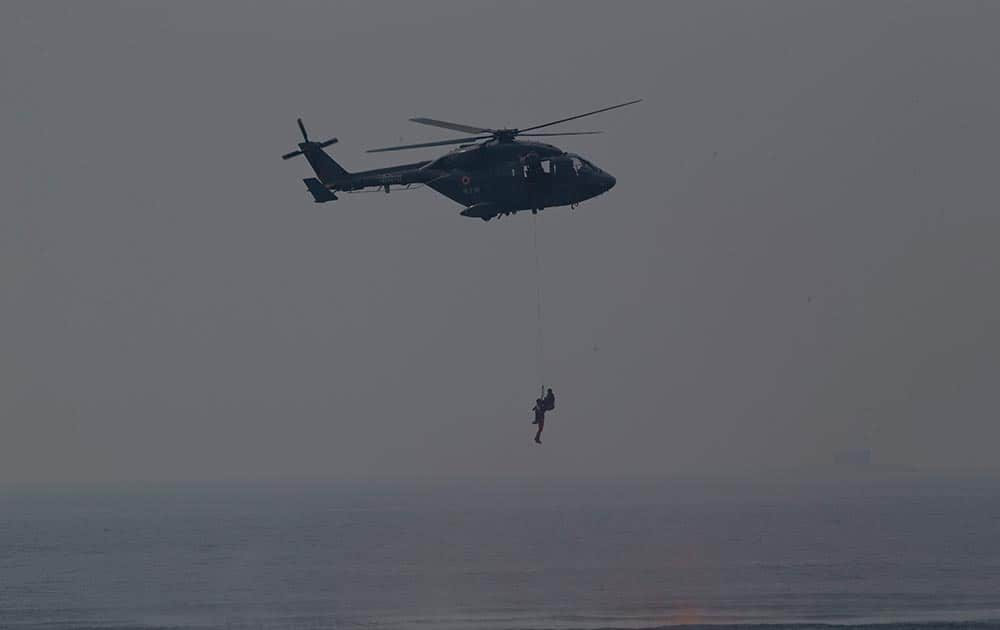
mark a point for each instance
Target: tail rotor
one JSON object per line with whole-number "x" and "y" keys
{"x": 307, "y": 144}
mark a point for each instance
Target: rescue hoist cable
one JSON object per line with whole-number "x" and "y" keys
{"x": 539, "y": 340}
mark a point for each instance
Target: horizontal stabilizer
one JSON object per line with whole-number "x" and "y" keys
{"x": 319, "y": 192}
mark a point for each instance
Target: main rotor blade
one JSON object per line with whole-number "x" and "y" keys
{"x": 564, "y": 133}
{"x": 444, "y": 124}
{"x": 430, "y": 144}
{"x": 305, "y": 136}
{"x": 596, "y": 111}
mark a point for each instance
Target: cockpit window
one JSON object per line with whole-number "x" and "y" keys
{"x": 580, "y": 164}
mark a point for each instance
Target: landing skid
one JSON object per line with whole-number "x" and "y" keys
{"x": 507, "y": 213}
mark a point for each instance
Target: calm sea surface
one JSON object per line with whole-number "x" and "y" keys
{"x": 500, "y": 554}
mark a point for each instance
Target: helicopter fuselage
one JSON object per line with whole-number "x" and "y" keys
{"x": 494, "y": 178}
{"x": 493, "y": 172}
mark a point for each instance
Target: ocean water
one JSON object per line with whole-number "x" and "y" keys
{"x": 501, "y": 554}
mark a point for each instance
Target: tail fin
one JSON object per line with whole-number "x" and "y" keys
{"x": 327, "y": 170}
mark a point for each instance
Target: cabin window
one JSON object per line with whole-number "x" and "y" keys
{"x": 546, "y": 166}
{"x": 577, "y": 165}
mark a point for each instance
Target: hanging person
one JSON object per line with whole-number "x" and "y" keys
{"x": 539, "y": 410}
{"x": 548, "y": 403}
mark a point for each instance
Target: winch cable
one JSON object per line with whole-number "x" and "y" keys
{"x": 539, "y": 339}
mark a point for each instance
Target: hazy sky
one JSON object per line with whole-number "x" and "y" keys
{"x": 800, "y": 256}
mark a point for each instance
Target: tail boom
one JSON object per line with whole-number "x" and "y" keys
{"x": 331, "y": 177}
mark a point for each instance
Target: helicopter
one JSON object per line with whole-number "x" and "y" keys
{"x": 492, "y": 173}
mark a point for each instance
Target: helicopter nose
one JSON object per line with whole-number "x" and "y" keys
{"x": 609, "y": 182}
